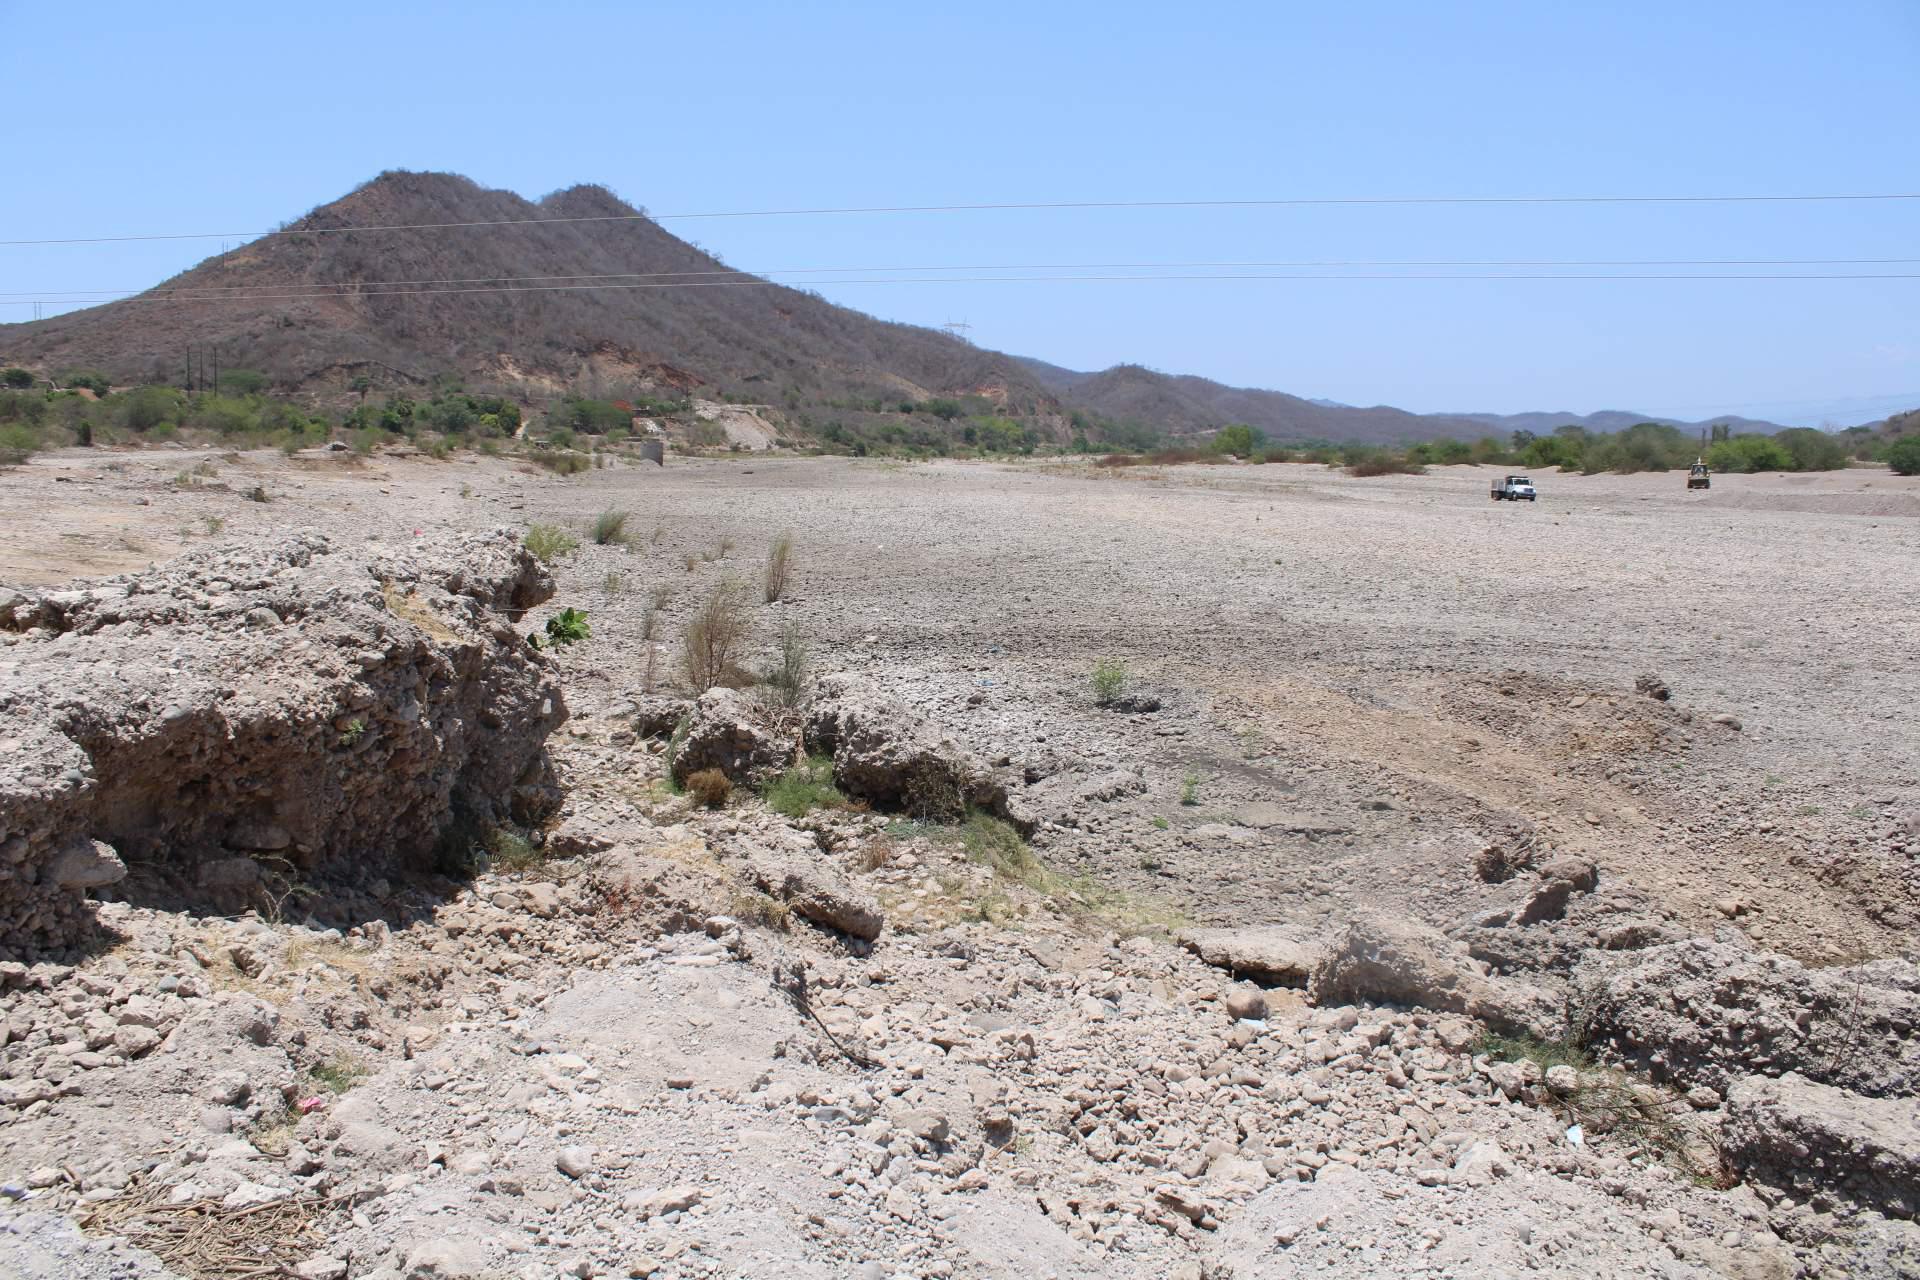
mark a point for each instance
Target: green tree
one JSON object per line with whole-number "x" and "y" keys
{"x": 1238, "y": 439}
{"x": 243, "y": 382}
{"x": 16, "y": 377}
{"x": 1812, "y": 450}
{"x": 1904, "y": 456}
{"x": 1749, "y": 454}
{"x": 92, "y": 379}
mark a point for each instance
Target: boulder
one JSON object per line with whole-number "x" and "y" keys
{"x": 1398, "y": 962}
{"x": 728, "y": 731}
{"x": 1266, "y": 953}
{"x": 1805, "y": 1137}
{"x": 819, "y": 894}
{"x": 886, "y": 753}
{"x": 1706, "y": 1012}
{"x": 152, "y": 720}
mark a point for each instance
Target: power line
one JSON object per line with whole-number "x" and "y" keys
{"x": 763, "y": 276}
{"x": 999, "y": 206}
{"x": 1084, "y": 279}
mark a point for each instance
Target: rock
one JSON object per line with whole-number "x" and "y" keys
{"x": 927, "y": 1126}
{"x": 321, "y": 1268}
{"x": 1562, "y": 1079}
{"x": 1707, "y": 1012}
{"x": 1246, "y": 1002}
{"x": 1399, "y": 962}
{"x": 728, "y": 731}
{"x": 656, "y": 715}
{"x": 1731, "y": 722}
{"x": 1479, "y": 1164}
{"x": 1810, "y": 1138}
{"x": 446, "y": 1259}
{"x": 85, "y": 864}
{"x": 886, "y": 753}
{"x": 820, "y": 894}
{"x": 1701, "y": 1098}
{"x": 228, "y": 1088}
{"x": 575, "y": 1162}
{"x": 1651, "y": 686}
{"x": 654, "y": 1204}
{"x": 154, "y": 724}
{"x": 1266, "y": 954}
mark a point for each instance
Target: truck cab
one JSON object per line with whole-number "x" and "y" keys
{"x": 1513, "y": 489}
{"x": 1698, "y": 477}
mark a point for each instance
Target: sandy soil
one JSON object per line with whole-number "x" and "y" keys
{"x": 1365, "y": 680}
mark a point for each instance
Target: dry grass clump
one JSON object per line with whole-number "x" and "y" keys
{"x": 779, "y": 561}
{"x": 710, "y": 643}
{"x": 1385, "y": 464}
{"x": 610, "y": 528}
{"x": 709, "y": 788}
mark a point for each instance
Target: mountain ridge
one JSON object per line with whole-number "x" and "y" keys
{"x": 366, "y": 297}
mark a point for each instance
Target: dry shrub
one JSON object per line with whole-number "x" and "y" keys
{"x": 712, "y": 639}
{"x": 709, "y": 788}
{"x": 779, "y": 560}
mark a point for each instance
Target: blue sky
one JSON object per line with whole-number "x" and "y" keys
{"x": 205, "y": 117}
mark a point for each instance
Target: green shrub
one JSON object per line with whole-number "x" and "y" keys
{"x": 709, "y": 788}
{"x": 1904, "y": 456}
{"x": 804, "y": 788}
{"x": 92, "y": 379}
{"x": 563, "y": 462}
{"x": 569, "y": 626}
{"x": 1812, "y": 450}
{"x": 1749, "y": 454}
{"x": 16, "y": 377}
{"x": 510, "y": 851}
{"x": 549, "y": 542}
{"x": 1109, "y": 681}
{"x": 1385, "y": 464}
{"x": 610, "y": 527}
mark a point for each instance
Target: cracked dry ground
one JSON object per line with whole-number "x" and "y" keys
{"x": 1364, "y": 685}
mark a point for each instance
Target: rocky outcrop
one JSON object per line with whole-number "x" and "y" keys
{"x": 298, "y": 706}
{"x": 728, "y": 731}
{"x": 1711, "y": 1011}
{"x": 1810, "y": 1138}
{"x": 1398, "y": 962}
{"x": 888, "y": 754}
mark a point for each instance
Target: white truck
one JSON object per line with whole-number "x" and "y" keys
{"x": 1513, "y": 489}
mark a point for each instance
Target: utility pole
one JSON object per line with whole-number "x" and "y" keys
{"x": 957, "y": 329}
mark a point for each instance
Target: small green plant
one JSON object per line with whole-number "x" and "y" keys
{"x": 466, "y": 491}
{"x": 648, "y": 622}
{"x": 1160, "y": 823}
{"x": 569, "y": 626}
{"x": 610, "y": 528}
{"x": 1109, "y": 681}
{"x": 709, "y": 788}
{"x": 1190, "y": 789}
{"x": 510, "y": 851}
{"x": 724, "y": 550}
{"x": 214, "y": 524}
{"x": 779, "y": 561}
{"x": 994, "y": 843}
{"x": 1807, "y": 811}
{"x": 1544, "y": 1053}
{"x": 548, "y": 542}
{"x": 356, "y": 727}
{"x": 614, "y": 583}
{"x": 804, "y": 788}
{"x": 339, "y": 1073}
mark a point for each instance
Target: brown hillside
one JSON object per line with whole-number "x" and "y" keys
{"x": 775, "y": 344}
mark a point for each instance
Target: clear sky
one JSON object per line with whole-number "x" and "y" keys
{"x": 209, "y": 117}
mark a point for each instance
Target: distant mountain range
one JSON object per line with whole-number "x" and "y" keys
{"x": 608, "y": 303}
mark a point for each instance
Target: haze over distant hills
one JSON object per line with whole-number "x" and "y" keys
{"x": 405, "y": 308}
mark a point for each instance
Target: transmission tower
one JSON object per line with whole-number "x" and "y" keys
{"x": 958, "y": 329}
